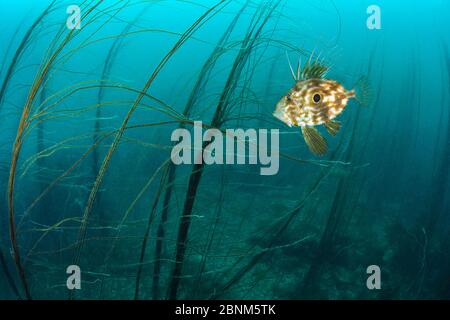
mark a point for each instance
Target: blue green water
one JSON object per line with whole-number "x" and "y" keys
{"x": 86, "y": 176}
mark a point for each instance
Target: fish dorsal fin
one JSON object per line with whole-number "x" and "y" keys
{"x": 313, "y": 69}
{"x": 332, "y": 127}
{"x": 316, "y": 143}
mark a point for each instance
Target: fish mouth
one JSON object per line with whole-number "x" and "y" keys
{"x": 280, "y": 116}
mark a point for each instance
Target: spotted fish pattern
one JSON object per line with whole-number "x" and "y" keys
{"x": 311, "y": 102}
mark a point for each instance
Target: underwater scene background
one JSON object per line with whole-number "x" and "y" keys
{"x": 86, "y": 177}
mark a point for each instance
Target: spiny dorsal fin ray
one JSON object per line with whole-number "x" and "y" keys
{"x": 316, "y": 143}
{"x": 311, "y": 70}
{"x": 290, "y": 67}
{"x": 332, "y": 127}
{"x": 314, "y": 70}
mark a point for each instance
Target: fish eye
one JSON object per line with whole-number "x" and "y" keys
{"x": 316, "y": 98}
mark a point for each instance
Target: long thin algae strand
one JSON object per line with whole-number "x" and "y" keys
{"x": 146, "y": 237}
{"x": 63, "y": 57}
{"x": 20, "y": 50}
{"x": 110, "y": 58}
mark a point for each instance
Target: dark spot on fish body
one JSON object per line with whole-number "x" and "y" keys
{"x": 288, "y": 98}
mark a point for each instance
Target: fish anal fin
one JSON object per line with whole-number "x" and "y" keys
{"x": 332, "y": 127}
{"x": 315, "y": 141}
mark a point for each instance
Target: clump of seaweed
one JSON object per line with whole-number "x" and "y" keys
{"x": 196, "y": 92}
{"x": 24, "y": 125}
{"x": 260, "y": 19}
{"x": 185, "y": 37}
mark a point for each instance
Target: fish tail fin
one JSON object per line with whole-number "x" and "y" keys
{"x": 315, "y": 141}
{"x": 362, "y": 91}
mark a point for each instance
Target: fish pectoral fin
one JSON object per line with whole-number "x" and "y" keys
{"x": 316, "y": 143}
{"x": 332, "y": 127}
